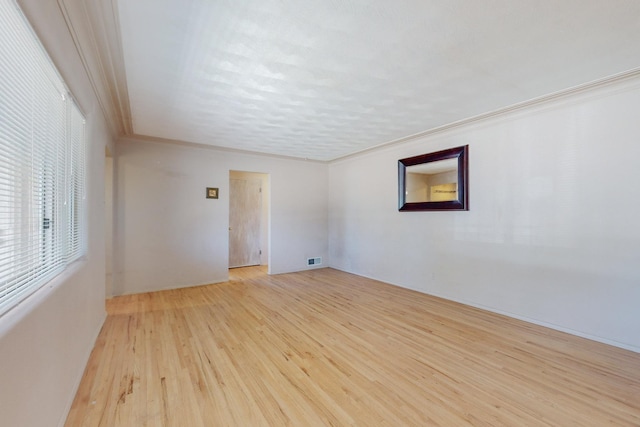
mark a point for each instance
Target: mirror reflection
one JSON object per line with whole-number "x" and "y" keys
{"x": 432, "y": 182}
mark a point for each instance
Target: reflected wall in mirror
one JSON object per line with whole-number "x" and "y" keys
{"x": 434, "y": 181}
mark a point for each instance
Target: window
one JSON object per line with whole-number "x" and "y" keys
{"x": 42, "y": 164}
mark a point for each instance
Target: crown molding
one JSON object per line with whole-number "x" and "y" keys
{"x": 606, "y": 81}
{"x": 160, "y": 140}
{"x": 95, "y": 29}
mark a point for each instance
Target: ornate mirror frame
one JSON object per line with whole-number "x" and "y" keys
{"x": 461, "y": 203}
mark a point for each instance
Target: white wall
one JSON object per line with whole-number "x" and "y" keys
{"x": 109, "y": 208}
{"x": 45, "y": 341}
{"x": 552, "y": 234}
{"x": 169, "y": 235}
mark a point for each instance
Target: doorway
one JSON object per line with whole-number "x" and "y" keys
{"x": 248, "y": 218}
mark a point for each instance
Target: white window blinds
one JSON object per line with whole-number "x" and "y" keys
{"x": 42, "y": 164}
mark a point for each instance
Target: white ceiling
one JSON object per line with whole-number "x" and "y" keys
{"x": 321, "y": 79}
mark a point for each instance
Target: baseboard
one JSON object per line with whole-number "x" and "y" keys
{"x": 171, "y": 287}
{"x": 553, "y": 326}
{"x": 79, "y": 376}
{"x": 550, "y": 325}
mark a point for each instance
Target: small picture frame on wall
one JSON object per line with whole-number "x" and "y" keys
{"x": 212, "y": 193}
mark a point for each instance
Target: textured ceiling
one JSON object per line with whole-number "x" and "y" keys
{"x": 323, "y": 79}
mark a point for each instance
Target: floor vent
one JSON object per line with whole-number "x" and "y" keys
{"x": 314, "y": 261}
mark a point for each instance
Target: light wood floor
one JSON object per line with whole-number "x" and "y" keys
{"x": 326, "y": 348}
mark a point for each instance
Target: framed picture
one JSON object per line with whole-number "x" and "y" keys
{"x": 212, "y": 193}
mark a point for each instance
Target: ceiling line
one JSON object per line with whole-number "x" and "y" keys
{"x": 615, "y": 78}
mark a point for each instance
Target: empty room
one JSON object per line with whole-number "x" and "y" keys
{"x": 319, "y": 213}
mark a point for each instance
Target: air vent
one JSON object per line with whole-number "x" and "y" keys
{"x": 314, "y": 261}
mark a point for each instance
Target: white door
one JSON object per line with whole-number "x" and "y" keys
{"x": 245, "y": 211}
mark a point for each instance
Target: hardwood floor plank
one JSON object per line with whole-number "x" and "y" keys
{"x": 327, "y": 348}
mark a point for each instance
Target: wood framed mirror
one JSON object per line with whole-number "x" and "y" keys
{"x": 436, "y": 181}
